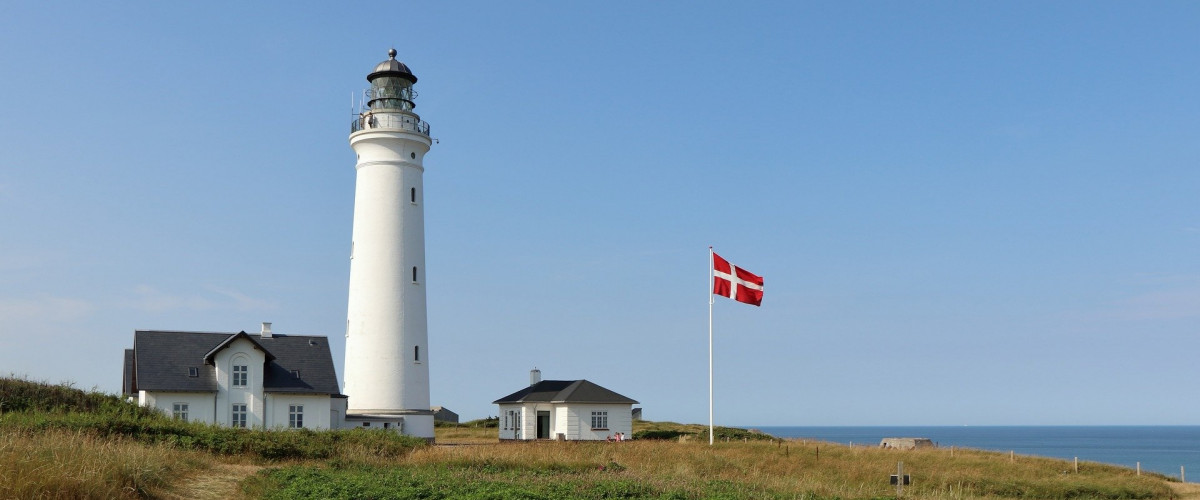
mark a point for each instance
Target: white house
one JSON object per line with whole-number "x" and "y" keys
{"x": 572, "y": 410}
{"x": 236, "y": 379}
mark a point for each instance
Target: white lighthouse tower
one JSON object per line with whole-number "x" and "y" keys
{"x": 387, "y": 355}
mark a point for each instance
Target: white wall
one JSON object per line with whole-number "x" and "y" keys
{"x": 573, "y": 421}
{"x": 200, "y": 404}
{"x": 508, "y": 428}
{"x": 316, "y": 410}
{"x": 579, "y": 421}
{"x": 337, "y": 413}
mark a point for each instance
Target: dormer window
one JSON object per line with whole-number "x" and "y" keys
{"x": 193, "y": 371}
{"x": 295, "y": 373}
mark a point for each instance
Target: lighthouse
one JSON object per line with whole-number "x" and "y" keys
{"x": 387, "y": 350}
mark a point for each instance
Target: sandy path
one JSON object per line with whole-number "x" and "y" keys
{"x": 219, "y": 482}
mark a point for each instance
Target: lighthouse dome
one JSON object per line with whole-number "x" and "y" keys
{"x": 392, "y": 67}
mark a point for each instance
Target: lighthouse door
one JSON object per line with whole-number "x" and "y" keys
{"x": 543, "y": 425}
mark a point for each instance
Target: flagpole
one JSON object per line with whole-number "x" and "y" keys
{"x": 710, "y": 347}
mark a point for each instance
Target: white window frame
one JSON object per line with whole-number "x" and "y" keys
{"x": 179, "y": 411}
{"x": 600, "y": 420}
{"x": 241, "y": 375}
{"x": 295, "y": 416}
{"x": 238, "y": 418}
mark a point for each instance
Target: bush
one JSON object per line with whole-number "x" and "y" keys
{"x": 659, "y": 434}
{"x": 483, "y": 423}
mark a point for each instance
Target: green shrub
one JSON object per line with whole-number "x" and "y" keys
{"x": 659, "y": 434}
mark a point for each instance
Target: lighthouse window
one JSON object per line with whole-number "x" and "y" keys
{"x": 414, "y": 274}
{"x": 412, "y": 155}
{"x": 412, "y": 195}
{"x": 416, "y": 353}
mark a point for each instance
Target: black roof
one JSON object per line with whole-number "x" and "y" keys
{"x": 127, "y": 382}
{"x": 564, "y": 391}
{"x": 161, "y": 361}
{"x": 392, "y": 67}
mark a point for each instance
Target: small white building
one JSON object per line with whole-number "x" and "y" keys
{"x": 263, "y": 381}
{"x": 572, "y": 410}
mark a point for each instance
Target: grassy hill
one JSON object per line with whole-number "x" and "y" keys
{"x": 59, "y": 442}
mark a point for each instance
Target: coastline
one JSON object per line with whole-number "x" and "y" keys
{"x": 1158, "y": 449}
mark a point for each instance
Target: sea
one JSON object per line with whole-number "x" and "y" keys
{"x": 1161, "y": 449}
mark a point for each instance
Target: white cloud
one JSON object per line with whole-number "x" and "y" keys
{"x": 243, "y": 302}
{"x": 149, "y": 299}
{"x": 44, "y": 307}
{"x": 1159, "y": 305}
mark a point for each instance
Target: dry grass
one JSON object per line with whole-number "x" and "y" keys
{"x": 63, "y": 464}
{"x": 796, "y": 468}
{"x": 466, "y": 435}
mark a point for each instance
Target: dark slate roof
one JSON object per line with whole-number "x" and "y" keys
{"x": 161, "y": 360}
{"x": 564, "y": 391}
{"x": 309, "y": 356}
{"x": 127, "y": 383}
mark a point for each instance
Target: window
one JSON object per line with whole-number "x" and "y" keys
{"x": 412, "y": 195}
{"x": 295, "y": 416}
{"x": 193, "y": 371}
{"x": 599, "y": 420}
{"x": 414, "y": 274}
{"x": 417, "y": 353}
{"x": 180, "y": 412}
{"x": 239, "y": 415}
{"x": 241, "y": 374}
{"x": 366, "y": 424}
{"x": 295, "y": 373}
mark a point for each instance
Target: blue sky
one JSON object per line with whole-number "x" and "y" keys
{"x": 966, "y": 212}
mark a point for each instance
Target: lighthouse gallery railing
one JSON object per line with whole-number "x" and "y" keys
{"x": 389, "y": 121}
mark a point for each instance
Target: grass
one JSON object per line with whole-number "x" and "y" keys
{"x": 65, "y": 464}
{"x": 63, "y": 443}
{"x": 60, "y": 442}
{"x": 749, "y": 468}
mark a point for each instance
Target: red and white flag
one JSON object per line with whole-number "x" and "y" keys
{"x": 736, "y": 283}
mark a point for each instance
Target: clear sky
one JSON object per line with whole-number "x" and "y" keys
{"x": 965, "y": 212}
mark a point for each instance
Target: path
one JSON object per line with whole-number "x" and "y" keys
{"x": 219, "y": 482}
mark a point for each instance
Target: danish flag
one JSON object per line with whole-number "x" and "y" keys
{"x": 736, "y": 283}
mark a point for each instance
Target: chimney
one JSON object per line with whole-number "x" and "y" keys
{"x": 535, "y": 376}
{"x": 266, "y": 330}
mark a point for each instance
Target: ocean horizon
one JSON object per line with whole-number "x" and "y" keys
{"x": 1159, "y": 448}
